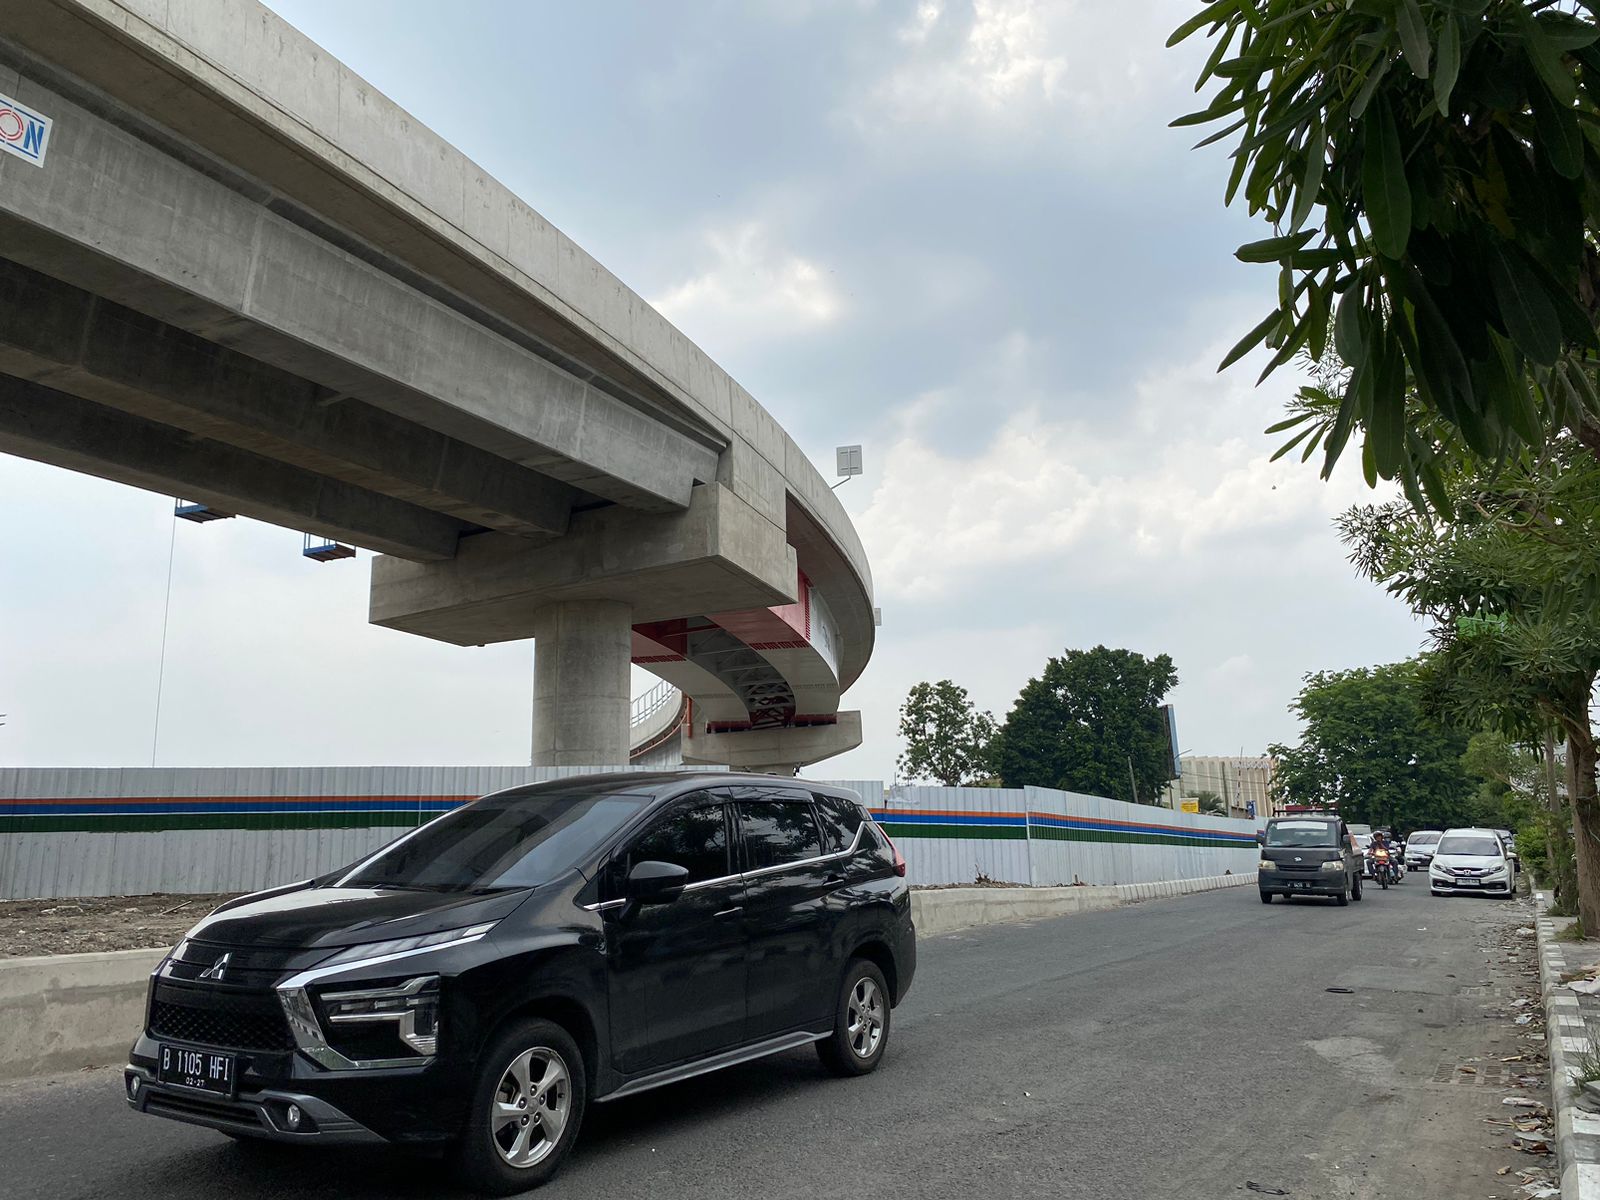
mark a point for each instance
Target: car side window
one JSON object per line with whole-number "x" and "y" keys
{"x": 839, "y": 820}
{"x": 694, "y": 837}
{"x": 777, "y": 832}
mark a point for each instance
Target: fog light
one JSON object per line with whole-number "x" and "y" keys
{"x": 292, "y": 1116}
{"x": 133, "y": 1087}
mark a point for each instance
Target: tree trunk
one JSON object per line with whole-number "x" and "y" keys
{"x": 1585, "y": 824}
{"x": 1563, "y": 882}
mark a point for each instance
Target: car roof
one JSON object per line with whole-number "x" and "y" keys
{"x": 654, "y": 784}
{"x": 1317, "y": 816}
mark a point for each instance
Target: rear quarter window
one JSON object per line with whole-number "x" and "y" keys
{"x": 840, "y": 819}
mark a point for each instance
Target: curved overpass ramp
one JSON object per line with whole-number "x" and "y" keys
{"x": 236, "y": 272}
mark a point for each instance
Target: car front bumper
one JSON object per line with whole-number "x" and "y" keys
{"x": 261, "y": 1113}
{"x": 1489, "y": 887}
{"x": 415, "y": 1105}
{"x": 1308, "y": 883}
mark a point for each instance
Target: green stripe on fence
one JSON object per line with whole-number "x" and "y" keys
{"x": 1050, "y": 833}
{"x": 152, "y": 822}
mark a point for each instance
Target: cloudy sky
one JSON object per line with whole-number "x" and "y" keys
{"x": 955, "y": 231}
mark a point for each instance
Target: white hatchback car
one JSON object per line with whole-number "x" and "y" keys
{"x": 1471, "y": 860}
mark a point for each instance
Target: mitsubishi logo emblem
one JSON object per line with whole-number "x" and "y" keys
{"x": 217, "y": 969}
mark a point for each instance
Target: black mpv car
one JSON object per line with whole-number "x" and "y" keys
{"x": 476, "y": 983}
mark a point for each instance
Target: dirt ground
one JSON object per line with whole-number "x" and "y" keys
{"x": 32, "y": 927}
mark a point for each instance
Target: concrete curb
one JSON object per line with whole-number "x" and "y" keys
{"x": 1577, "y": 1131}
{"x": 945, "y": 910}
{"x": 68, "y": 1011}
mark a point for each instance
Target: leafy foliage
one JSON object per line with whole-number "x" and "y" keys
{"x": 1211, "y": 804}
{"x": 1510, "y": 582}
{"x": 1370, "y": 750}
{"x": 1519, "y": 548}
{"x": 1087, "y": 716}
{"x": 1431, "y": 169}
{"x": 1508, "y": 780}
{"x": 947, "y": 738}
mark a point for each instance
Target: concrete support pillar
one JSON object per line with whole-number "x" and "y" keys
{"x": 581, "y": 687}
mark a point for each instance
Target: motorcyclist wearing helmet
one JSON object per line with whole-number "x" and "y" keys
{"x": 1380, "y": 841}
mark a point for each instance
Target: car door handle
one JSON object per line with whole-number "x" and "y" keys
{"x": 730, "y": 912}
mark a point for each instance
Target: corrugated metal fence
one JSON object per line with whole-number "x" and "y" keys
{"x": 128, "y": 831}
{"x": 1043, "y": 837}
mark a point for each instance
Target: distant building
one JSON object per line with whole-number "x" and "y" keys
{"x": 1241, "y": 782}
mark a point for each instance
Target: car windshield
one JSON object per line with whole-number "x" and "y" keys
{"x": 1302, "y": 833}
{"x": 1422, "y": 839}
{"x": 1464, "y": 843}
{"x": 511, "y": 841}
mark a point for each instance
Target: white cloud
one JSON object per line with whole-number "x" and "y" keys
{"x": 753, "y": 289}
{"x": 1058, "y": 491}
{"x": 1069, "y": 72}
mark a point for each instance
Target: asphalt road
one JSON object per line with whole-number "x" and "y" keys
{"x": 1184, "y": 1048}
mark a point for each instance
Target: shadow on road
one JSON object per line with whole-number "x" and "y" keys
{"x": 248, "y": 1170}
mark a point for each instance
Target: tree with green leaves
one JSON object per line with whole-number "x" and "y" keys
{"x": 1369, "y": 750}
{"x": 1429, "y": 168}
{"x": 1091, "y": 722}
{"x": 1511, "y": 584}
{"x": 1209, "y": 803}
{"x": 947, "y": 737}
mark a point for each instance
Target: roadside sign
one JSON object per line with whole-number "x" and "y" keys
{"x": 1190, "y": 806}
{"x": 23, "y": 132}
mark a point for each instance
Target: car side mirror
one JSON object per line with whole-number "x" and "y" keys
{"x": 1261, "y": 837}
{"x": 656, "y": 882}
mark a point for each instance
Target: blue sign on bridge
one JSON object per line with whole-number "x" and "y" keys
{"x": 23, "y": 132}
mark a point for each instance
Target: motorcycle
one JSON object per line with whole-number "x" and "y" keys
{"x": 1385, "y": 868}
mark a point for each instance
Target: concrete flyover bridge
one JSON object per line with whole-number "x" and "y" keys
{"x": 231, "y": 270}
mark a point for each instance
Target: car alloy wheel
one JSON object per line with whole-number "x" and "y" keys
{"x": 526, "y": 1110}
{"x": 531, "y": 1106}
{"x": 861, "y": 1021}
{"x": 864, "y": 1018}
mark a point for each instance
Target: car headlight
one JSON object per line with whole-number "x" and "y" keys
{"x": 1500, "y": 870}
{"x": 413, "y": 1006}
{"x": 1333, "y": 864}
{"x": 427, "y": 941}
{"x": 1267, "y": 864}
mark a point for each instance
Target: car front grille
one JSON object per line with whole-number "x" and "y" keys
{"x": 217, "y": 1017}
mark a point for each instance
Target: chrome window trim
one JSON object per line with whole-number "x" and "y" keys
{"x": 855, "y": 845}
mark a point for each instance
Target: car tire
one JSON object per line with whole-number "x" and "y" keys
{"x": 1266, "y": 897}
{"x": 860, "y": 1022}
{"x": 1343, "y": 898}
{"x": 1355, "y": 890}
{"x": 532, "y": 1065}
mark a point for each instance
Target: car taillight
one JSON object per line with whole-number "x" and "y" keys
{"x": 899, "y": 859}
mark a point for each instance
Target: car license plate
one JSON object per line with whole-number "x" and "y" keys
{"x": 1467, "y": 882}
{"x": 199, "y": 1069}
{"x": 1299, "y": 883}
